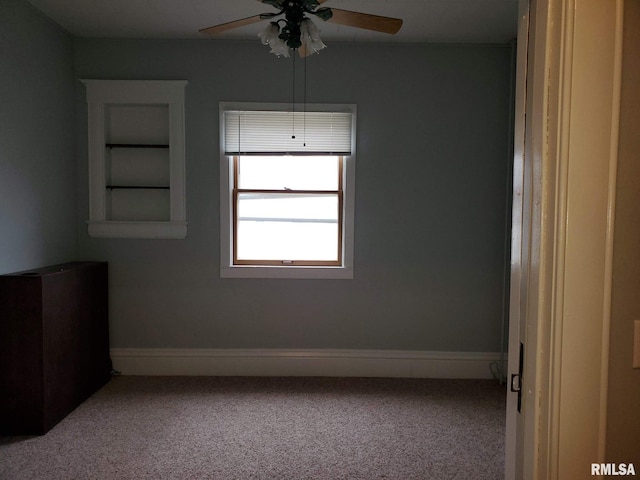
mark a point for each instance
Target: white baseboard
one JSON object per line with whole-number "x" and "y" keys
{"x": 305, "y": 362}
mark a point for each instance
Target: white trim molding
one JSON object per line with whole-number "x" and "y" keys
{"x": 303, "y": 362}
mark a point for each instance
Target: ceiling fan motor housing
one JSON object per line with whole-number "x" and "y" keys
{"x": 294, "y": 12}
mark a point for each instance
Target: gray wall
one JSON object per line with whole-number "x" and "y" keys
{"x": 432, "y": 174}
{"x": 38, "y": 221}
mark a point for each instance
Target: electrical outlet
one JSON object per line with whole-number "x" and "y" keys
{"x": 636, "y": 344}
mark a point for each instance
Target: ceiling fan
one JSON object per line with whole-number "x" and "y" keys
{"x": 296, "y": 31}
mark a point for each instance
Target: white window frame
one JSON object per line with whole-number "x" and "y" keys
{"x": 227, "y": 268}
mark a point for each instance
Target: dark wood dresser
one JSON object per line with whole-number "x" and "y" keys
{"x": 54, "y": 343}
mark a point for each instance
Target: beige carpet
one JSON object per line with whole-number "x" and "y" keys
{"x": 272, "y": 428}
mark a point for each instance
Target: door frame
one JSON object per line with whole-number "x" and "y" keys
{"x": 569, "y": 179}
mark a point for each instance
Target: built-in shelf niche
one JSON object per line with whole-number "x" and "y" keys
{"x": 136, "y": 158}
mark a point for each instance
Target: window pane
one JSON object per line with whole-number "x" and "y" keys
{"x": 287, "y": 227}
{"x": 288, "y": 172}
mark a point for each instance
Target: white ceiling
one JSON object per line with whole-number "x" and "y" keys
{"x": 448, "y": 21}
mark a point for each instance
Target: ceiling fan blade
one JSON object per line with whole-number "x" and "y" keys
{"x": 366, "y": 21}
{"x": 223, "y": 27}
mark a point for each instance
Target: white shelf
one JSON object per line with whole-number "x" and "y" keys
{"x": 137, "y": 229}
{"x": 136, "y": 158}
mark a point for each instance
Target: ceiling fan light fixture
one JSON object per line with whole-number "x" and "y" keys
{"x": 311, "y": 36}
{"x": 279, "y": 48}
{"x": 270, "y": 33}
{"x": 271, "y": 36}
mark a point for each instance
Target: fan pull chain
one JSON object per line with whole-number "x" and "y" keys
{"x": 293, "y": 97}
{"x": 304, "y": 105}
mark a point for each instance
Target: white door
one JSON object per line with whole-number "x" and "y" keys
{"x": 520, "y": 254}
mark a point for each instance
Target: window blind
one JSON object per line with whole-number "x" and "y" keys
{"x": 281, "y": 132}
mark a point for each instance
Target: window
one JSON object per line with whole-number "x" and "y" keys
{"x": 287, "y": 191}
{"x": 287, "y": 210}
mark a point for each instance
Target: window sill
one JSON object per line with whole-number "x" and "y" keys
{"x": 249, "y": 271}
